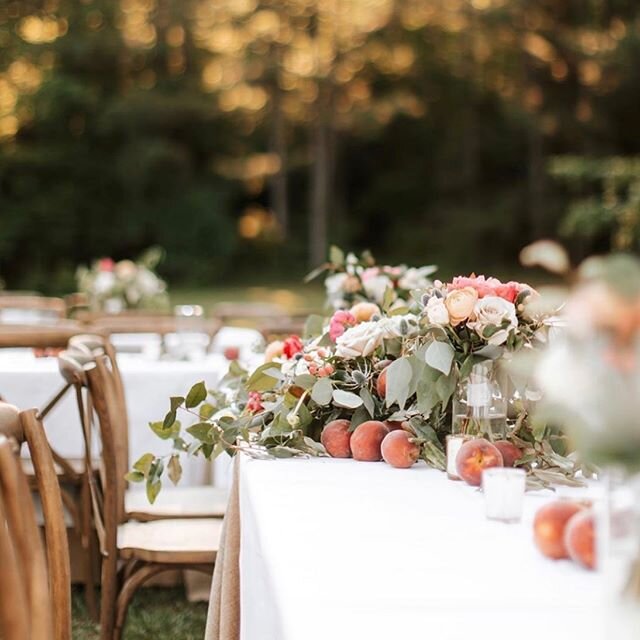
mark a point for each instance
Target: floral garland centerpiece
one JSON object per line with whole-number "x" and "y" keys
{"x": 374, "y": 364}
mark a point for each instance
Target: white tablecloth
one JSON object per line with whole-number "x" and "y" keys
{"x": 346, "y": 550}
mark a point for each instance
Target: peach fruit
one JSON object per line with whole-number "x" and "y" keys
{"x": 335, "y": 438}
{"x": 549, "y": 527}
{"x": 475, "y": 456}
{"x": 381, "y": 384}
{"x": 366, "y": 441}
{"x": 579, "y": 538}
{"x": 364, "y": 311}
{"x": 510, "y": 453}
{"x": 398, "y": 450}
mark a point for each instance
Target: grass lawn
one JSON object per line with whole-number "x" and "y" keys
{"x": 154, "y": 614}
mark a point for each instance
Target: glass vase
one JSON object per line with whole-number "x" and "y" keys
{"x": 479, "y": 405}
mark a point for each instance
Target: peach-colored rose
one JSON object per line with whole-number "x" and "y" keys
{"x": 364, "y": 311}
{"x": 460, "y": 304}
{"x": 274, "y": 350}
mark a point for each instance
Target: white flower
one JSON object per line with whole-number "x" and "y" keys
{"x": 126, "y": 269}
{"x": 104, "y": 282}
{"x": 398, "y": 326}
{"x": 437, "y": 312}
{"x": 361, "y": 340}
{"x": 334, "y": 284}
{"x": 492, "y": 310}
{"x": 376, "y": 286}
{"x": 415, "y": 278}
{"x": 148, "y": 283}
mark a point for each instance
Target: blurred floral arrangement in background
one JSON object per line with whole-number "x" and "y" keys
{"x": 351, "y": 279}
{"x": 116, "y": 286}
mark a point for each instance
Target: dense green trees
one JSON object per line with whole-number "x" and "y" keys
{"x": 245, "y": 133}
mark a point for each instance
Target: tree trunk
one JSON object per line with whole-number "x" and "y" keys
{"x": 320, "y": 188}
{"x": 535, "y": 179}
{"x": 279, "y": 181}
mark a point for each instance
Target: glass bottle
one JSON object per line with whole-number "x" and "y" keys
{"x": 479, "y": 406}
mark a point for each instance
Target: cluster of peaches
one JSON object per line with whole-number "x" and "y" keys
{"x": 566, "y": 529}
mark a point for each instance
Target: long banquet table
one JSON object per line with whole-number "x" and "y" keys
{"x": 341, "y": 549}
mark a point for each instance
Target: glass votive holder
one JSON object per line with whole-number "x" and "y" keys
{"x": 503, "y": 489}
{"x": 454, "y": 442}
{"x": 192, "y": 340}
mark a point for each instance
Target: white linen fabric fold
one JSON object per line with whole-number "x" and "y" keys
{"x": 340, "y": 549}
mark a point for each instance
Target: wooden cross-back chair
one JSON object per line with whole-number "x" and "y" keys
{"x": 132, "y": 552}
{"x": 36, "y": 597}
{"x": 173, "y": 502}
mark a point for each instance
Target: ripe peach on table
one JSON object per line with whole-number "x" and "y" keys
{"x": 398, "y": 449}
{"x": 366, "y": 441}
{"x": 335, "y": 438}
{"x": 473, "y": 457}
{"x": 580, "y": 538}
{"x": 510, "y": 453}
{"x": 381, "y": 384}
{"x": 549, "y": 527}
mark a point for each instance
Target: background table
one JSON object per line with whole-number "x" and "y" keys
{"x": 27, "y": 382}
{"x": 344, "y": 549}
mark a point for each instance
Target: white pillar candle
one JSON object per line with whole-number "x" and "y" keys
{"x": 454, "y": 442}
{"x": 503, "y": 490}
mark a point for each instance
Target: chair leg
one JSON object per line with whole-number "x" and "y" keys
{"x": 134, "y": 581}
{"x": 108, "y": 597}
{"x": 88, "y": 551}
{"x": 130, "y": 586}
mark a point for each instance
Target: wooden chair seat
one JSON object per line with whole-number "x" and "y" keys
{"x": 76, "y": 464}
{"x": 175, "y": 541}
{"x": 176, "y": 502}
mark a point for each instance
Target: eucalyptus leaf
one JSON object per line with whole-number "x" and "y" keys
{"x": 490, "y": 351}
{"x": 346, "y": 399}
{"x": 169, "y": 420}
{"x": 305, "y": 381}
{"x": 143, "y": 463}
{"x": 322, "y": 392}
{"x": 206, "y": 411}
{"x": 265, "y": 377}
{"x": 153, "y": 489}
{"x": 368, "y": 401}
{"x": 313, "y": 326}
{"x": 174, "y": 469}
{"x": 439, "y": 355}
{"x": 202, "y": 431}
{"x": 399, "y": 374}
{"x": 176, "y": 401}
{"x": 336, "y": 256}
{"x": 134, "y": 476}
{"x": 196, "y": 395}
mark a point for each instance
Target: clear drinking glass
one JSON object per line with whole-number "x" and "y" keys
{"x": 503, "y": 489}
{"x": 192, "y": 338}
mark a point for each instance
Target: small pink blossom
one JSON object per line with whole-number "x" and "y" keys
{"x": 254, "y": 404}
{"x": 368, "y": 274}
{"x": 340, "y": 322}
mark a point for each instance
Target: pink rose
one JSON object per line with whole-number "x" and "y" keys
{"x": 340, "y": 321}
{"x": 508, "y": 292}
{"x": 106, "y": 264}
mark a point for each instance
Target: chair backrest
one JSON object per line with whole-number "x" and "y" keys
{"x": 38, "y": 336}
{"x": 25, "y": 426}
{"x": 23, "y": 570}
{"x": 108, "y": 498}
{"x": 30, "y": 309}
{"x": 55, "y": 530}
